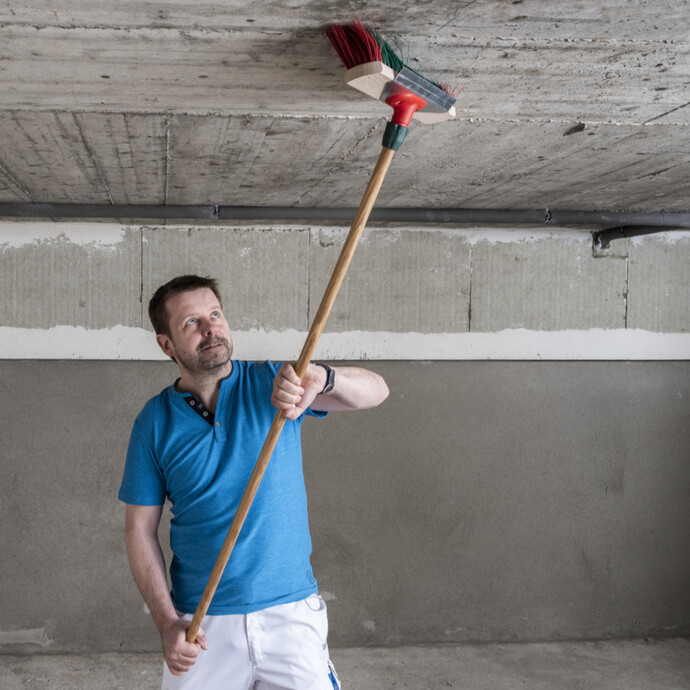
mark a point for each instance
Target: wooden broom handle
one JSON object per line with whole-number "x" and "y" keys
{"x": 346, "y": 254}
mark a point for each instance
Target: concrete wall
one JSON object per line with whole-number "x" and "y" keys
{"x": 483, "y": 501}
{"x": 80, "y": 291}
{"x": 486, "y": 500}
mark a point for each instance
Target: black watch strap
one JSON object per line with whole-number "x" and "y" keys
{"x": 330, "y": 378}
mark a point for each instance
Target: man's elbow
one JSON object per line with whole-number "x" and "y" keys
{"x": 378, "y": 393}
{"x": 141, "y": 523}
{"x": 383, "y": 392}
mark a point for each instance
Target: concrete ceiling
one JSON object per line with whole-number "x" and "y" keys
{"x": 572, "y": 105}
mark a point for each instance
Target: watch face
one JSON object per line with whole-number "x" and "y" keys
{"x": 330, "y": 380}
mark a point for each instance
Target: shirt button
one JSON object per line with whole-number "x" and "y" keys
{"x": 217, "y": 423}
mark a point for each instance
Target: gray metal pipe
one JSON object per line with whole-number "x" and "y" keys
{"x": 438, "y": 216}
{"x": 101, "y": 211}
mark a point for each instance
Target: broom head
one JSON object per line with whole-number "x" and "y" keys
{"x": 374, "y": 68}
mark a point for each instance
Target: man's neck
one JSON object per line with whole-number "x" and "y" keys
{"x": 204, "y": 387}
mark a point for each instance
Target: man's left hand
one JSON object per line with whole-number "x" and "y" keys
{"x": 293, "y": 396}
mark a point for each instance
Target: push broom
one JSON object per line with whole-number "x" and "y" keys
{"x": 375, "y": 69}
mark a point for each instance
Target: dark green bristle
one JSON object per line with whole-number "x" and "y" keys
{"x": 388, "y": 54}
{"x": 390, "y": 57}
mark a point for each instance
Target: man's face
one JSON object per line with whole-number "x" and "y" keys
{"x": 199, "y": 338}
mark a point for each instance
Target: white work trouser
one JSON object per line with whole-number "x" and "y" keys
{"x": 279, "y": 648}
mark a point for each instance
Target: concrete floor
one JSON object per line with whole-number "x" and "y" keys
{"x": 610, "y": 665}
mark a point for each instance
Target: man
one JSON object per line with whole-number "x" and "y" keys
{"x": 196, "y": 443}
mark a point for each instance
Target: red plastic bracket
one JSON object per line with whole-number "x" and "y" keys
{"x": 404, "y": 103}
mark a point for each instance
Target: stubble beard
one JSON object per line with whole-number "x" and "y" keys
{"x": 207, "y": 361}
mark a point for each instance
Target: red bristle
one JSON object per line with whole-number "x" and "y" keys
{"x": 451, "y": 89}
{"x": 353, "y": 43}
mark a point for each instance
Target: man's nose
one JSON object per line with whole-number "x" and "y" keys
{"x": 208, "y": 326}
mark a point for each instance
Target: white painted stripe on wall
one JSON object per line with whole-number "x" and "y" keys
{"x": 122, "y": 343}
{"x": 35, "y": 636}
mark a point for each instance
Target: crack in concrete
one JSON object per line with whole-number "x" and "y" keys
{"x": 177, "y": 28}
{"x": 133, "y": 167}
{"x": 673, "y": 110}
{"x": 248, "y": 166}
{"x": 92, "y": 156}
{"x": 309, "y": 278}
{"x": 627, "y": 291}
{"x": 469, "y": 292}
{"x": 5, "y": 170}
{"x": 317, "y": 30}
{"x": 369, "y": 133}
{"x": 464, "y": 119}
{"x": 455, "y": 14}
{"x": 141, "y": 278}
{"x": 662, "y": 171}
{"x": 167, "y": 159}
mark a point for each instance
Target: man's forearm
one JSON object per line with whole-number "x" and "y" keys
{"x": 355, "y": 389}
{"x": 148, "y": 567}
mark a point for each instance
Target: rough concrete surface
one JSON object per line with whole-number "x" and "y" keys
{"x": 66, "y": 275}
{"x": 403, "y": 279}
{"x": 264, "y": 276}
{"x": 491, "y": 502}
{"x": 560, "y": 104}
{"x": 483, "y": 502}
{"x": 619, "y": 665}
{"x": 654, "y": 304}
{"x": 559, "y": 287}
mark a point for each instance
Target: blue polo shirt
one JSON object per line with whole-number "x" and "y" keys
{"x": 204, "y": 468}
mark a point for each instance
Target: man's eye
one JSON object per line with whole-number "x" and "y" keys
{"x": 215, "y": 315}
{"x": 190, "y": 322}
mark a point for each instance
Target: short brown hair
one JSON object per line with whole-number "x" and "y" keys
{"x": 157, "y": 311}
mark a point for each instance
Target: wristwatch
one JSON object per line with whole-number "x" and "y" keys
{"x": 330, "y": 378}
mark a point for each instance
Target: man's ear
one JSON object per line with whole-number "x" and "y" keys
{"x": 165, "y": 344}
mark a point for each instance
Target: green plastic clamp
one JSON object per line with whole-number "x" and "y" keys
{"x": 394, "y": 136}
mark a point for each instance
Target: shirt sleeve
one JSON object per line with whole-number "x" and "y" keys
{"x": 142, "y": 481}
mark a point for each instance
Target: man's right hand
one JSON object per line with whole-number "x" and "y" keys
{"x": 179, "y": 654}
